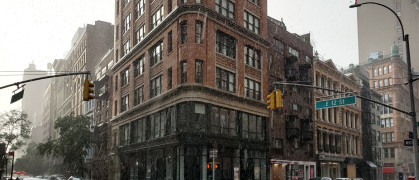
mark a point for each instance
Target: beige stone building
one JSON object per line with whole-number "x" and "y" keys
{"x": 338, "y": 132}
{"x": 378, "y": 27}
{"x": 388, "y": 77}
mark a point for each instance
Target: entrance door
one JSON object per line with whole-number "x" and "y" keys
{"x": 333, "y": 170}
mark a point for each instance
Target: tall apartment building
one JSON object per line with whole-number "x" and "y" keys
{"x": 32, "y": 98}
{"x": 291, "y": 128}
{"x": 338, "y": 130}
{"x": 99, "y": 166}
{"x": 189, "y": 78}
{"x": 378, "y": 27}
{"x": 388, "y": 76}
{"x": 371, "y": 168}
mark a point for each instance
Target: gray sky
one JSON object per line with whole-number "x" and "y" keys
{"x": 40, "y": 31}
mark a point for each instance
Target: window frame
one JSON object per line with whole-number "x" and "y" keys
{"x": 124, "y": 103}
{"x": 199, "y": 71}
{"x": 156, "y": 53}
{"x": 156, "y": 86}
{"x": 224, "y": 83}
{"x": 183, "y": 71}
{"x": 252, "y": 92}
{"x": 252, "y": 60}
{"x": 184, "y": 32}
{"x": 225, "y": 44}
{"x": 230, "y": 13}
{"x": 139, "y": 66}
{"x": 139, "y": 95}
{"x": 251, "y": 22}
{"x": 199, "y": 26}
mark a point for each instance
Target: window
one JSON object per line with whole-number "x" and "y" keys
{"x": 278, "y": 46}
{"x": 225, "y": 80}
{"x": 199, "y": 71}
{"x": 157, "y": 18}
{"x": 385, "y": 82}
{"x": 126, "y": 47}
{"x": 387, "y": 122}
{"x": 116, "y": 82}
{"x": 155, "y": 86}
{"x": 156, "y": 53}
{"x": 116, "y": 108}
{"x": 139, "y": 8}
{"x": 225, "y": 8}
{"x": 252, "y": 88}
{"x": 169, "y": 42}
{"x": 381, "y": 83}
{"x": 257, "y": 2}
{"x": 390, "y": 81}
{"x": 139, "y": 95}
{"x": 380, "y": 72}
{"x": 252, "y": 56}
{"x": 139, "y": 34}
{"x": 252, "y": 127}
{"x": 124, "y": 135}
{"x": 293, "y": 52}
{"x": 223, "y": 121}
{"x": 124, "y": 77}
{"x": 375, "y": 72}
{"x": 198, "y": 31}
{"x": 375, "y": 84}
{"x": 226, "y": 44}
{"x": 389, "y": 68}
{"x": 139, "y": 66}
{"x": 124, "y": 103}
{"x": 158, "y": 124}
{"x": 138, "y": 130}
{"x": 169, "y": 81}
{"x": 184, "y": 72}
{"x": 251, "y": 22}
{"x": 127, "y": 21}
{"x": 116, "y": 32}
{"x": 126, "y": 2}
{"x": 184, "y": 32}
{"x": 385, "y": 70}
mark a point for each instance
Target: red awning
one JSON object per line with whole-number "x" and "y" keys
{"x": 388, "y": 170}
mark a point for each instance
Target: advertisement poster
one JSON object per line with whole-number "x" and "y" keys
{"x": 311, "y": 172}
{"x": 236, "y": 173}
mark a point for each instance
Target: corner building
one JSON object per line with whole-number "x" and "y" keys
{"x": 338, "y": 130}
{"x": 189, "y": 78}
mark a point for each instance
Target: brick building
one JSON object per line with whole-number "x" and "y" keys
{"x": 338, "y": 131}
{"x": 291, "y": 128}
{"x": 189, "y": 78}
{"x": 388, "y": 76}
{"x": 99, "y": 166}
{"x": 371, "y": 129}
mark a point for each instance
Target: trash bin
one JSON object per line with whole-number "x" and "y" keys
{"x": 411, "y": 178}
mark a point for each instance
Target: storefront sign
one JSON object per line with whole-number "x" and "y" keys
{"x": 236, "y": 173}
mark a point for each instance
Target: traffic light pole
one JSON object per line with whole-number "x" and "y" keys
{"x": 45, "y": 77}
{"x": 213, "y": 164}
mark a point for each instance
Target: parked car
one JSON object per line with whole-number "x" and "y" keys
{"x": 342, "y": 179}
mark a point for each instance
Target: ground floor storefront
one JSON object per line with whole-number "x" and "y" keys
{"x": 292, "y": 170}
{"x": 338, "y": 167}
{"x": 194, "y": 162}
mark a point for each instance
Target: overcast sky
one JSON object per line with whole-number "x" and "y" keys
{"x": 40, "y": 31}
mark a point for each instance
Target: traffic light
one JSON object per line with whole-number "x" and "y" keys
{"x": 88, "y": 89}
{"x": 271, "y": 101}
{"x": 278, "y": 98}
{"x": 209, "y": 165}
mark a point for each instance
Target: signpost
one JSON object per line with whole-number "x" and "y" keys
{"x": 336, "y": 102}
{"x": 409, "y": 142}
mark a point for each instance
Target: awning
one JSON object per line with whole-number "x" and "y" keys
{"x": 371, "y": 164}
{"x": 388, "y": 170}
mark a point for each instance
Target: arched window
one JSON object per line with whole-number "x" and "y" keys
{"x": 389, "y": 68}
{"x": 375, "y": 72}
{"x": 380, "y": 72}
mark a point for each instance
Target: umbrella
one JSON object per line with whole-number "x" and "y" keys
{"x": 20, "y": 172}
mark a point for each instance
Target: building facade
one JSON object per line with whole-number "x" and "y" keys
{"x": 291, "y": 127}
{"x": 187, "y": 90}
{"x": 32, "y": 98}
{"x": 373, "y": 18}
{"x": 99, "y": 166}
{"x": 338, "y": 132}
{"x": 371, "y": 168}
{"x": 388, "y": 75}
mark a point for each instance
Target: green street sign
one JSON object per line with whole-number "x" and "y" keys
{"x": 336, "y": 102}
{"x": 17, "y": 97}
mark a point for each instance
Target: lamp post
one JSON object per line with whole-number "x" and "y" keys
{"x": 410, "y": 82}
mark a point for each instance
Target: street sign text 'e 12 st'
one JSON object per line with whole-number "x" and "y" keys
{"x": 336, "y": 102}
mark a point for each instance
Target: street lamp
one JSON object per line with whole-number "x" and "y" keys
{"x": 410, "y": 82}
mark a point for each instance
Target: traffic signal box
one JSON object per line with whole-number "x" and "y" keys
{"x": 88, "y": 90}
{"x": 274, "y": 100}
{"x": 209, "y": 165}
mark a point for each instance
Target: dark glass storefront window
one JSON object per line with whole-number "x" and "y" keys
{"x": 192, "y": 162}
